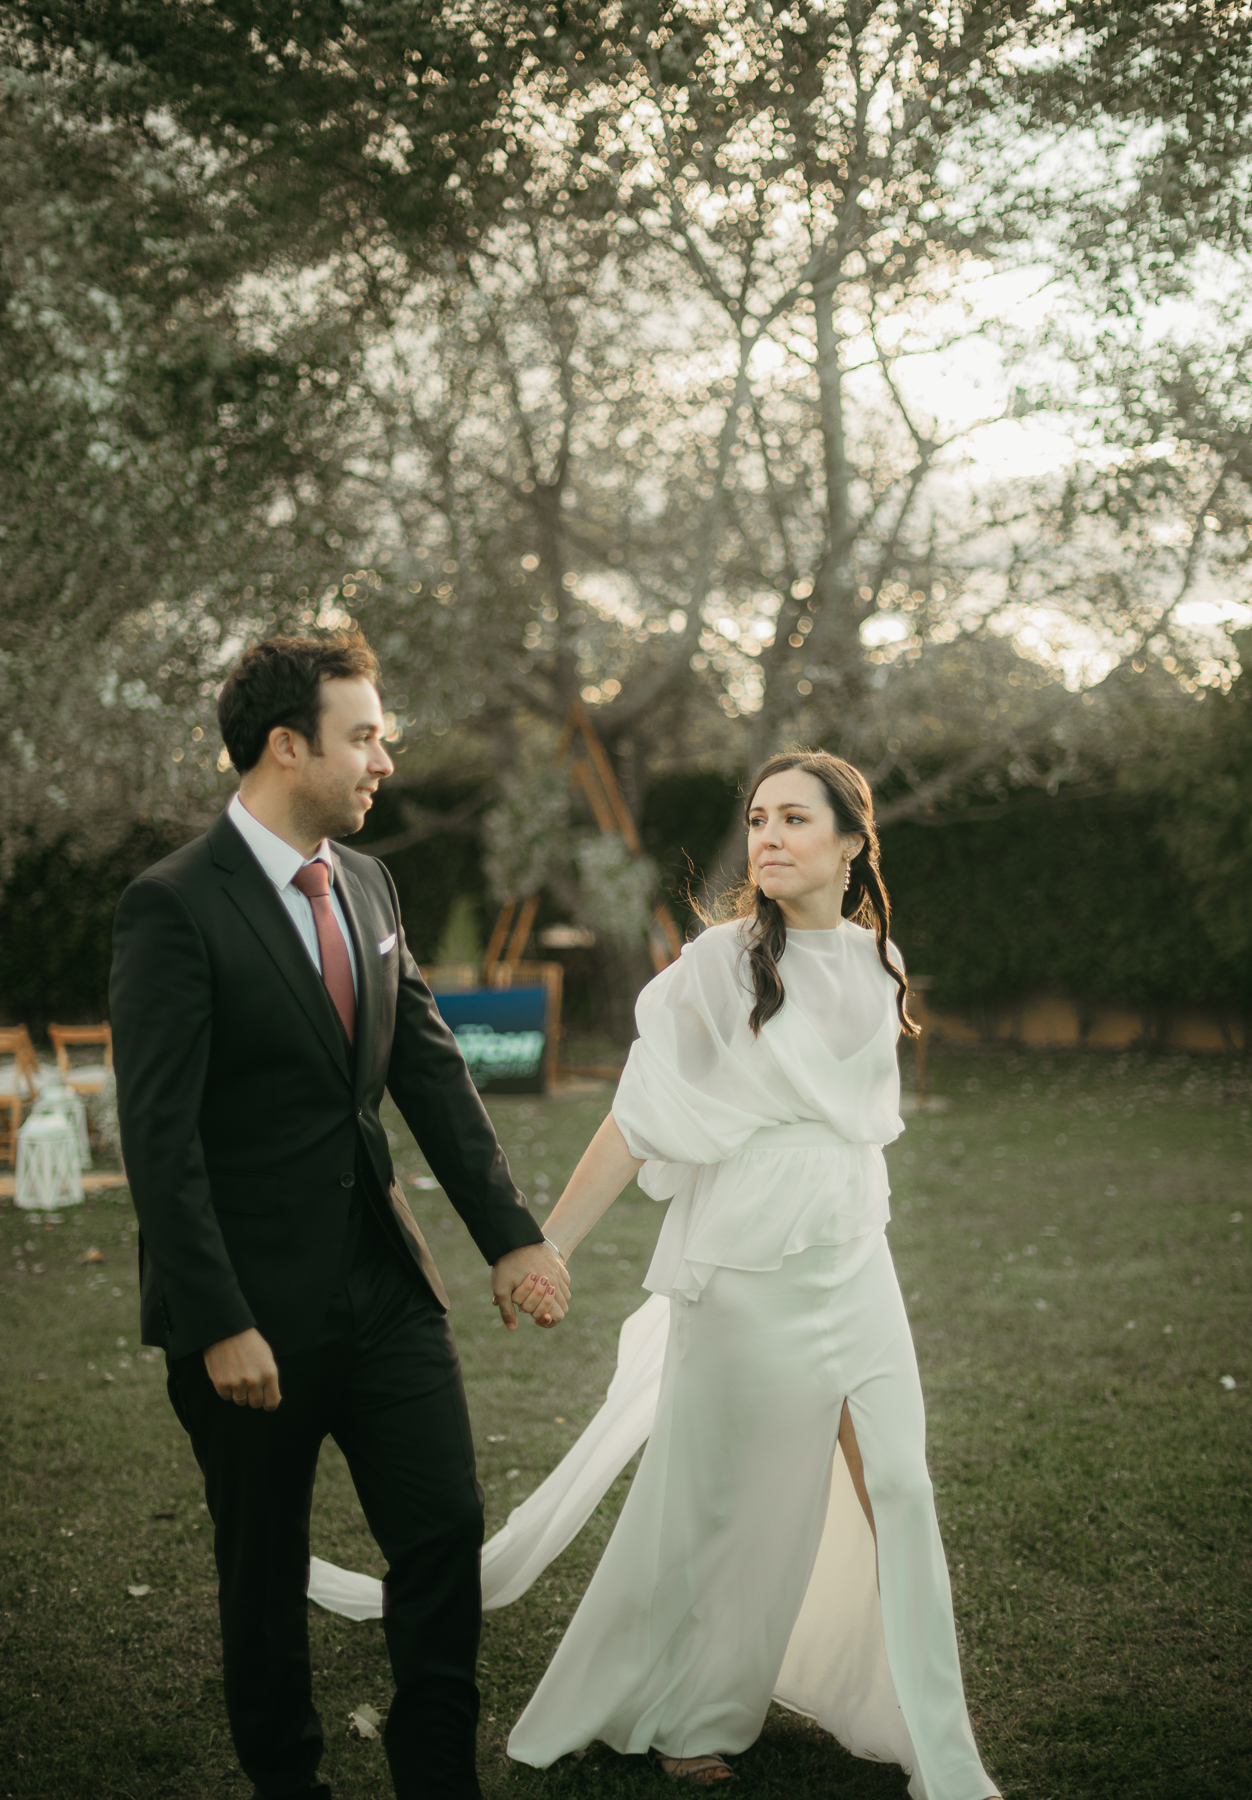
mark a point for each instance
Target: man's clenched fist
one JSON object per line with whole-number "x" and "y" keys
{"x": 242, "y": 1369}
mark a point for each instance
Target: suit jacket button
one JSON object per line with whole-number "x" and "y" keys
{"x": 347, "y": 1180}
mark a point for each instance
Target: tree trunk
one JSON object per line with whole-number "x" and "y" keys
{"x": 835, "y": 636}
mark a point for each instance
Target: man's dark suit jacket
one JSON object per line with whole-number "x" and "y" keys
{"x": 247, "y": 1117}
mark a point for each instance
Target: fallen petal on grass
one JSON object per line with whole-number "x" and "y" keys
{"x": 139, "y": 1589}
{"x": 364, "y": 1721}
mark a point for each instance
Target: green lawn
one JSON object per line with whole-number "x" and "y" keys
{"x": 1070, "y": 1234}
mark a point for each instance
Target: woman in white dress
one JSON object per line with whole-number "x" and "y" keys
{"x": 757, "y": 1100}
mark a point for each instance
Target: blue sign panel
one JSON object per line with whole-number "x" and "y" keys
{"x": 503, "y": 1034}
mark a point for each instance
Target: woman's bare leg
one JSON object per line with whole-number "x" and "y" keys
{"x": 856, "y": 1468}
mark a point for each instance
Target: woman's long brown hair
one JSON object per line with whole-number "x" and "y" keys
{"x": 866, "y": 901}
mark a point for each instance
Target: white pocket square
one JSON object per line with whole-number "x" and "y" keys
{"x": 388, "y": 943}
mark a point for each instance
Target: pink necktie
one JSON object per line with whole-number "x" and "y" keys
{"x": 313, "y": 881}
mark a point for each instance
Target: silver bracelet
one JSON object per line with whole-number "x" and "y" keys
{"x": 559, "y": 1254}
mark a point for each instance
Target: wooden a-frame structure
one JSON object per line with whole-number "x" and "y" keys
{"x": 592, "y": 771}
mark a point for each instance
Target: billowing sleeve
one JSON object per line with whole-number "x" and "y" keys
{"x": 694, "y": 1088}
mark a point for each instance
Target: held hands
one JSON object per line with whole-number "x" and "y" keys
{"x": 531, "y": 1280}
{"x": 242, "y": 1369}
{"x": 534, "y": 1278}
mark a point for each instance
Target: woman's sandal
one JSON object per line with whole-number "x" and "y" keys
{"x": 703, "y": 1771}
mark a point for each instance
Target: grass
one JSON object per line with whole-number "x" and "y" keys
{"x": 1067, "y": 1233}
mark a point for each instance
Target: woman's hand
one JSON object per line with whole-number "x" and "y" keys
{"x": 542, "y": 1300}
{"x": 534, "y": 1278}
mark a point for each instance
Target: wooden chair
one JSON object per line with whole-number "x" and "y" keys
{"x": 19, "y": 1085}
{"x": 82, "y": 1078}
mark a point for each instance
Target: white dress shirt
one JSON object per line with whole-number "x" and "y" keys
{"x": 280, "y": 862}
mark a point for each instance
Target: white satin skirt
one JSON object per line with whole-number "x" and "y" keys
{"x": 742, "y": 1568}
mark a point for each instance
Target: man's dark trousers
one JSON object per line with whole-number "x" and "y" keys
{"x": 383, "y": 1380}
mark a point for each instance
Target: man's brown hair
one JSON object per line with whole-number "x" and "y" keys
{"x": 278, "y": 682}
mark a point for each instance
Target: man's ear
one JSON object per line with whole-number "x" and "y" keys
{"x": 282, "y": 746}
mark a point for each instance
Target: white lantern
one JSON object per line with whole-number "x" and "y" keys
{"x": 49, "y": 1173}
{"x": 55, "y": 1097}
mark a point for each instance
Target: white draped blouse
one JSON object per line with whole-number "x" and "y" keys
{"x": 764, "y": 1145}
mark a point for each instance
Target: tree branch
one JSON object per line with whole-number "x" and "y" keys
{"x": 420, "y": 822}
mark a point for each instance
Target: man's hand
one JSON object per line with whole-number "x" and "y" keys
{"x": 242, "y": 1369}
{"x": 532, "y": 1280}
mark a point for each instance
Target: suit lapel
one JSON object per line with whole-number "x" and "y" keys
{"x": 356, "y": 909}
{"x": 254, "y": 894}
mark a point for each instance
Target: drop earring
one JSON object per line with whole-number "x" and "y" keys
{"x": 847, "y": 876}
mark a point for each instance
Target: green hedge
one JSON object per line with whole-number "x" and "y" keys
{"x": 56, "y": 912}
{"x": 1081, "y": 896}
{"x": 684, "y": 818}
{"x": 1139, "y": 894}
{"x": 56, "y": 930}
{"x": 1098, "y": 898}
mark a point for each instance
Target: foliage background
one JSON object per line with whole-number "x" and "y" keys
{"x": 584, "y": 354}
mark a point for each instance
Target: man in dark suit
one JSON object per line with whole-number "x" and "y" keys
{"x": 262, "y": 999}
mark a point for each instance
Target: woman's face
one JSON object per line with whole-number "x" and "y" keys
{"x": 795, "y": 853}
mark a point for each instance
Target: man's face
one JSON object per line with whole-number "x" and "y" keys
{"x": 335, "y": 784}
